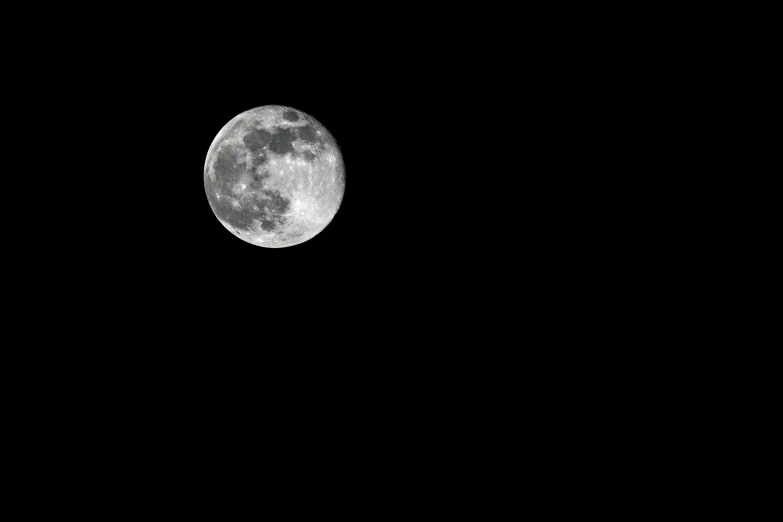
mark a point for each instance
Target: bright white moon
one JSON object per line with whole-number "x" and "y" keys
{"x": 274, "y": 177}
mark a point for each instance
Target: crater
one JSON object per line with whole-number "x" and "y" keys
{"x": 290, "y": 116}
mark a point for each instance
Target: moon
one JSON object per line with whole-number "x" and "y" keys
{"x": 274, "y": 176}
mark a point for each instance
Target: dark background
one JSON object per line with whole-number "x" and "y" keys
{"x": 480, "y": 222}
{"x": 144, "y": 98}
{"x": 456, "y": 133}
{"x": 482, "y": 152}
{"x": 379, "y": 90}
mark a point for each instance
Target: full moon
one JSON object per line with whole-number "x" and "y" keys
{"x": 274, "y": 176}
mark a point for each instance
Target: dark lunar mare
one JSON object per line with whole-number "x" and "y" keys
{"x": 307, "y": 134}
{"x": 257, "y": 180}
{"x": 275, "y": 206}
{"x": 259, "y": 160}
{"x": 236, "y": 217}
{"x": 256, "y": 139}
{"x": 281, "y": 141}
{"x": 227, "y": 168}
{"x": 267, "y": 207}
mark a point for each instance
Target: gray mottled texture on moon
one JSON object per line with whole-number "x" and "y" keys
{"x": 274, "y": 176}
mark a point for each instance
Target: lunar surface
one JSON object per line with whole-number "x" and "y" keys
{"x": 274, "y": 176}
